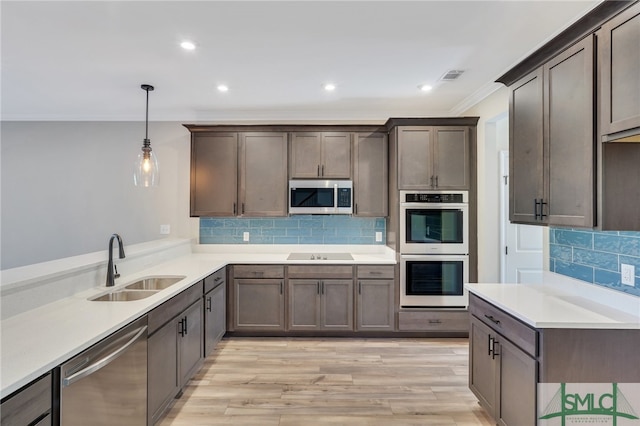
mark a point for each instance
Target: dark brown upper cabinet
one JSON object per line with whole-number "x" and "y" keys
{"x": 433, "y": 157}
{"x": 551, "y": 141}
{"x": 370, "y": 170}
{"x": 239, "y": 174}
{"x": 619, "y": 58}
{"x": 320, "y": 155}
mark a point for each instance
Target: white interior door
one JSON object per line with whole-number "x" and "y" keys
{"x": 521, "y": 245}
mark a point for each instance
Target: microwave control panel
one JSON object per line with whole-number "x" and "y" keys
{"x": 344, "y": 197}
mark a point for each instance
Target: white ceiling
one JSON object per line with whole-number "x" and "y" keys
{"x": 85, "y": 60}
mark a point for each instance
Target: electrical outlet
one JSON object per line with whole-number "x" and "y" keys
{"x": 378, "y": 236}
{"x": 245, "y": 236}
{"x": 628, "y": 274}
{"x": 165, "y": 229}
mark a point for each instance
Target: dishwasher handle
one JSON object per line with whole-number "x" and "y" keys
{"x": 68, "y": 381}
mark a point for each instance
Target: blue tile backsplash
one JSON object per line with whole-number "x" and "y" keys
{"x": 297, "y": 229}
{"x": 595, "y": 256}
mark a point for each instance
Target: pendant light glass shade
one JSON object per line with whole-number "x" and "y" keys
{"x": 145, "y": 172}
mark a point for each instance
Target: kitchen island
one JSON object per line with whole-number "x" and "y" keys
{"x": 526, "y": 340}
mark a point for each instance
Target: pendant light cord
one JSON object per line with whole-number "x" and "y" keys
{"x": 147, "y": 142}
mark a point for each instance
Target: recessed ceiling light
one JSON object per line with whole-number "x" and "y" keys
{"x": 329, "y": 87}
{"x": 425, "y": 87}
{"x": 188, "y": 45}
{"x": 223, "y": 88}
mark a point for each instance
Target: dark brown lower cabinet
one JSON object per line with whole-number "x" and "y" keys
{"x": 175, "y": 349}
{"x": 502, "y": 376}
{"x": 28, "y": 406}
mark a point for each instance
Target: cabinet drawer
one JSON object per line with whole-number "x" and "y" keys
{"x": 169, "y": 309}
{"x": 519, "y": 333}
{"x": 28, "y": 404}
{"x": 258, "y": 271}
{"x": 321, "y": 271}
{"x": 214, "y": 280}
{"x": 376, "y": 271}
{"x": 440, "y": 320}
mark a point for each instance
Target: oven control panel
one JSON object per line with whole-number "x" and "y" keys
{"x": 434, "y": 198}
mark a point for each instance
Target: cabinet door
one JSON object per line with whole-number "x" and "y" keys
{"x": 370, "y": 168}
{"x": 214, "y": 166}
{"x": 190, "y": 342}
{"x": 415, "y": 170}
{"x": 570, "y": 186}
{"x": 337, "y": 304}
{"x": 305, "y": 155}
{"x": 336, "y": 155}
{"x": 28, "y": 405}
{"x": 620, "y": 72}
{"x": 451, "y": 158}
{"x": 263, "y": 174}
{"x": 526, "y": 167}
{"x": 259, "y": 304}
{"x": 518, "y": 376}
{"x": 375, "y": 307}
{"x": 215, "y": 317}
{"x": 162, "y": 371}
{"x": 304, "y": 304}
{"x": 482, "y": 365}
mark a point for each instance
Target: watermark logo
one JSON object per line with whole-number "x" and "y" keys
{"x": 592, "y": 404}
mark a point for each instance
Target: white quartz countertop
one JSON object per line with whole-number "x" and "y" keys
{"x": 34, "y": 342}
{"x": 563, "y": 303}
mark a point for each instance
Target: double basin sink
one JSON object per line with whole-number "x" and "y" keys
{"x": 140, "y": 289}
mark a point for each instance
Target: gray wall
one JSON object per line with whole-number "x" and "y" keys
{"x": 67, "y": 186}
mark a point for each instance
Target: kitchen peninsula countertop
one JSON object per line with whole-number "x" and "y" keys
{"x": 562, "y": 302}
{"x": 35, "y": 341}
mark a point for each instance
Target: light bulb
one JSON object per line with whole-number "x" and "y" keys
{"x": 146, "y": 165}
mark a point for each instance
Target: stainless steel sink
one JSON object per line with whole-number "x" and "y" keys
{"x": 124, "y": 295}
{"x": 155, "y": 282}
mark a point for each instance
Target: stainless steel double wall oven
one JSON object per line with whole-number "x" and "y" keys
{"x": 434, "y": 248}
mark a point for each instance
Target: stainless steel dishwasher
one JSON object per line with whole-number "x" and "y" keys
{"x": 107, "y": 384}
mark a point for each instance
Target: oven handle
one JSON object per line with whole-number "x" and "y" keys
{"x": 335, "y": 194}
{"x": 435, "y": 205}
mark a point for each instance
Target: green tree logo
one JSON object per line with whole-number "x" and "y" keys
{"x": 614, "y": 405}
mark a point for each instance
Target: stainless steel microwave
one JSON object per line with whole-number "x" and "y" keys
{"x": 320, "y": 197}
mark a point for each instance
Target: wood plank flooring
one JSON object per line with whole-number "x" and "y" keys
{"x": 322, "y": 381}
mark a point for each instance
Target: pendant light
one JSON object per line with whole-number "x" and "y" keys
{"x": 146, "y": 166}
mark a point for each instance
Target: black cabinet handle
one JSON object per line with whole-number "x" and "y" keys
{"x": 432, "y": 181}
{"x": 181, "y": 331}
{"x": 492, "y": 319}
{"x": 435, "y": 321}
{"x": 185, "y": 326}
{"x": 234, "y": 209}
{"x": 494, "y": 353}
{"x": 322, "y": 287}
{"x": 209, "y": 304}
{"x": 216, "y": 279}
{"x": 436, "y": 181}
{"x": 542, "y": 204}
{"x": 281, "y": 285}
{"x": 322, "y": 170}
{"x": 535, "y": 209}
{"x": 359, "y": 287}
{"x": 242, "y": 208}
{"x": 318, "y": 171}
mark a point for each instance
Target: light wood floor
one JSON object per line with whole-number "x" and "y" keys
{"x": 289, "y": 381}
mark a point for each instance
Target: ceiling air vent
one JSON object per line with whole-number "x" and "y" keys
{"x": 451, "y": 75}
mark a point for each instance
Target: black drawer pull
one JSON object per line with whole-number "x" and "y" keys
{"x": 492, "y": 319}
{"x": 209, "y": 304}
{"x": 494, "y": 353}
{"x": 435, "y": 321}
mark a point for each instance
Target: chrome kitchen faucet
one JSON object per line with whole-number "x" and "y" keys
{"x": 112, "y": 270}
